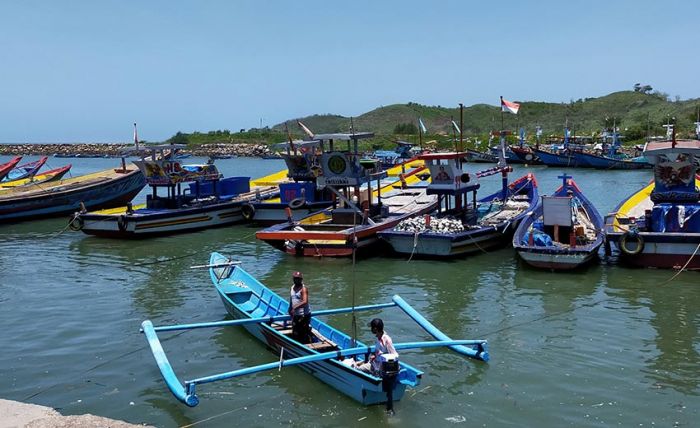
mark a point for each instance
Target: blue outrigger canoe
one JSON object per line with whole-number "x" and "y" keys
{"x": 570, "y": 246}
{"x": 264, "y": 314}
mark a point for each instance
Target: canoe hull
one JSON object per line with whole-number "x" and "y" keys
{"x": 603, "y": 162}
{"x": 569, "y": 260}
{"x": 269, "y": 213}
{"x": 65, "y": 197}
{"x": 442, "y": 245}
{"x": 165, "y": 222}
{"x": 244, "y": 297}
{"x": 662, "y": 250}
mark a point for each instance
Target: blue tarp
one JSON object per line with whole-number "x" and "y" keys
{"x": 675, "y": 218}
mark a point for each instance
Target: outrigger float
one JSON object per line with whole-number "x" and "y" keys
{"x": 659, "y": 226}
{"x": 359, "y": 210}
{"x": 208, "y": 201}
{"x": 330, "y": 357}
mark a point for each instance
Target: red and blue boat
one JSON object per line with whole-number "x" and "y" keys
{"x": 564, "y": 231}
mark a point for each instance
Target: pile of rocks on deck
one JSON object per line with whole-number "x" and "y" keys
{"x": 99, "y": 150}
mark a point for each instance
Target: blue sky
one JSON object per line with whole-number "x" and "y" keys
{"x": 86, "y": 70}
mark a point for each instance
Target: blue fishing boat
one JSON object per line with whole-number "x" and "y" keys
{"x": 659, "y": 226}
{"x": 103, "y": 189}
{"x": 460, "y": 225}
{"x": 613, "y": 159}
{"x": 207, "y": 201}
{"x": 331, "y": 356}
{"x": 564, "y": 231}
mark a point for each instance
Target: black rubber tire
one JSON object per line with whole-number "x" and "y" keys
{"x": 248, "y": 211}
{"x": 634, "y": 236}
{"x": 296, "y": 203}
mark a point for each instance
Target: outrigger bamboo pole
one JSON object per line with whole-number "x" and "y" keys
{"x": 272, "y": 319}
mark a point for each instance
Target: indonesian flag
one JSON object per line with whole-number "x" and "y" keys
{"x": 509, "y": 106}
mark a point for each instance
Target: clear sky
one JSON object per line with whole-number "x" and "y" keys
{"x": 85, "y": 70}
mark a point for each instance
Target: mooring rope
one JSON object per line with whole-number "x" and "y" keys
{"x": 684, "y": 266}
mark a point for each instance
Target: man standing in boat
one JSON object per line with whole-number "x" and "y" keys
{"x": 300, "y": 310}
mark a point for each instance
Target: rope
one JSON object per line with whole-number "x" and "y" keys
{"x": 684, "y": 266}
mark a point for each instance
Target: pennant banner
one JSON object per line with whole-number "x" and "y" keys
{"x": 422, "y": 127}
{"x": 456, "y": 127}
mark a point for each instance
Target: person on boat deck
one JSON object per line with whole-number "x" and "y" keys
{"x": 384, "y": 345}
{"x": 300, "y": 310}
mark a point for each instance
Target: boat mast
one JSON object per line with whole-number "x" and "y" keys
{"x": 461, "y": 127}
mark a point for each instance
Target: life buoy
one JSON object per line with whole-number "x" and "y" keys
{"x": 297, "y": 203}
{"x": 248, "y": 211}
{"x": 76, "y": 222}
{"x": 635, "y": 237}
{"x": 121, "y": 223}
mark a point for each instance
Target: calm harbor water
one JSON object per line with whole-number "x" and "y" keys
{"x": 605, "y": 346}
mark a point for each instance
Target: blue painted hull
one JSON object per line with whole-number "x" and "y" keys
{"x": 486, "y": 236}
{"x": 245, "y": 297}
{"x": 604, "y": 162}
{"x": 555, "y": 159}
{"x": 65, "y": 197}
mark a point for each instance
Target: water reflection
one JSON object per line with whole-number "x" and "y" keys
{"x": 673, "y": 311}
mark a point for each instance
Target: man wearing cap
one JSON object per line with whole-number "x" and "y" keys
{"x": 384, "y": 345}
{"x": 300, "y": 310}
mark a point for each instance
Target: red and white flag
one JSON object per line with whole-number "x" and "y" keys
{"x": 509, "y": 106}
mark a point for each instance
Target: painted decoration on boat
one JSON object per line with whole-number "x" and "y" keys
{"x": 168, "y": 172}
{"x": 340, "y": 169}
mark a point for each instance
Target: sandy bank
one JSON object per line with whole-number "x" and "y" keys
{"x": 14, "y": 414}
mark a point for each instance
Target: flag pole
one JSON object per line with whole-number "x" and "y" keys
{"x": 420, "y": 134}
{"x": 454, "y": 135}
{"x": 502, "y": 126}
{"x": 461, "y": 126}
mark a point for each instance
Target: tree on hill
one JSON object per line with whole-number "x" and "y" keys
{"x": 644, "y": 89}
{"x": 406, "y": 129}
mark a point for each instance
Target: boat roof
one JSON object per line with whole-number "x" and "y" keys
{"x": 446, "y": 155}
{"x": 660, "y": 147}
{"x": 344, "y": 136}
{"x": 297, "y": 144}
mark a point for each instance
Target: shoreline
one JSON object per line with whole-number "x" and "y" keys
{"x": 111, "y": 150}
{"x": 18, "y": 414}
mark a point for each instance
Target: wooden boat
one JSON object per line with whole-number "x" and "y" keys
{"x": 591, "y": 160}
{"x": 331, "y": 355}
{"x": 659, "y": 226}
{"x": 109, "y": 188}
{"x": 45, "y": 177}
{"x": 26, "y": 170}
{"x": 208, "y": 201}
{"x": 350, "y": 225}
{"x": 564, "y": 231}
{"x": 526, "y": 155}
{"x": 300, "y": 197}
{"x": 8, "y": 166}
{"x": 480, "y": 157}
{"x": 466, "y": 227}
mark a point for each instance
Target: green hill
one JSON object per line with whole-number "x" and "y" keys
{"x": 632, "y": 111}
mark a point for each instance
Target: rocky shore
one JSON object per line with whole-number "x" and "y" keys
{"x": 22, "y": 415}
{"x": 88, "y": 150}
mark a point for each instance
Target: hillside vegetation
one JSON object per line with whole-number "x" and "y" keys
{"x": 633, "y": 112}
